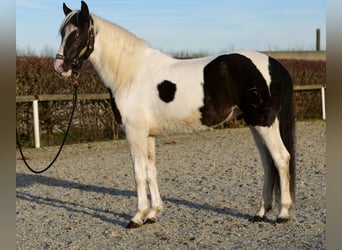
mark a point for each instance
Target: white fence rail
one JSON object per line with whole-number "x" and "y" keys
{"x": 97, "y": 97}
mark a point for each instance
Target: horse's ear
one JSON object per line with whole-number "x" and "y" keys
{"x": 66, "y": 9}
{"x": 84, "y": 10}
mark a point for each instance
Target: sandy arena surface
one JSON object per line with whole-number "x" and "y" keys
{"x": 210, "y": 183}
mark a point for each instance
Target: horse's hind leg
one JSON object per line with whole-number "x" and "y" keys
{"x": 156, "y": 202}
{"x": 269, "y": 177}
{"x": 272, "y": 140}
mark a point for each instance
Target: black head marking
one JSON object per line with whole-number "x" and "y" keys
{"x": 80, "y": 19}
{"x": 79, "y": 43}
{"x": 167, "y": 91}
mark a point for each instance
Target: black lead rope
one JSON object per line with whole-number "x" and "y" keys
{"x": 74, "y": 102}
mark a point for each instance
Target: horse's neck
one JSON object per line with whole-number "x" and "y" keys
{"x": 118, "y": 54}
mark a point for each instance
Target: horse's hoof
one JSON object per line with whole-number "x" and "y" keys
{"x": 132, "y": 225}
{"x": 150, "y": 220}
{"x": 257, "y": 218}
{"x": 283, "y": 220}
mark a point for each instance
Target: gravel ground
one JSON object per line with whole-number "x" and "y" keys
{"x": 210, "y": 183}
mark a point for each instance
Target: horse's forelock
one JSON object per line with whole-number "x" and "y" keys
{"x": 67, "y": 20}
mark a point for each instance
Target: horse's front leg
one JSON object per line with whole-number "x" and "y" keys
{"x": 138, "y": 146}
{"x": 156, "y": 202}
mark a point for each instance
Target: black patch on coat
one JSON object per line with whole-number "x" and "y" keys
{"x": 167, "y": 91}
{"x": 233, "y": 80}
{"x": 115, "y": 109}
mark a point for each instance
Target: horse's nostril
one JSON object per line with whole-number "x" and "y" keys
{"x": 66, "y": 66}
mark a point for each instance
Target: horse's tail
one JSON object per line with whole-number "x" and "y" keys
{"x": 287, "y": 132}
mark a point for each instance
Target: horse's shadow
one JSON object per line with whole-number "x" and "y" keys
{"x": 24, "y": 180}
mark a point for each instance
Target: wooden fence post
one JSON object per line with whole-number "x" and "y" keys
{"x": 36, "y": 124}
{"x": 323, "y": 102}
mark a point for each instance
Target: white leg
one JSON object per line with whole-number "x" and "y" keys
{"x": 138, "y": 146}
{"x": 281, "y": 158}
{"x": 269, "y": 177}
{"x": 156, "y": 202}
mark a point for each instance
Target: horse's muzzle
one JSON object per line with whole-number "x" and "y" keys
{"x": 58, "y": 65}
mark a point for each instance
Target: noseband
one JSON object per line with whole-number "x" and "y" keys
{"x": 84, "y": 53}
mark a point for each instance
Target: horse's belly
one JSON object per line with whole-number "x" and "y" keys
{"x": 187, "y": 124}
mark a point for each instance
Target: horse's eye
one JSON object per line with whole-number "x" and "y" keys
{"x": 78, "y": 35}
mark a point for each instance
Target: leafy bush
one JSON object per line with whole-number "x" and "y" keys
{"x": 305, "y": 72}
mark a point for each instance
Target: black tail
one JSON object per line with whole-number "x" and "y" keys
{"x": 287, "y": 132}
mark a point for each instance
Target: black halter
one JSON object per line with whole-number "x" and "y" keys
{"x": 84, "y": 53}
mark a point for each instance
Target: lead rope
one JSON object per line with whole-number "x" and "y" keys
{"x": 74, "y": 103}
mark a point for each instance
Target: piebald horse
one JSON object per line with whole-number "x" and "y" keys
{"x": 153, "y": 93}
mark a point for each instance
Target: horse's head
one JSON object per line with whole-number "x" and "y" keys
{"x": 77, "y": 43}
